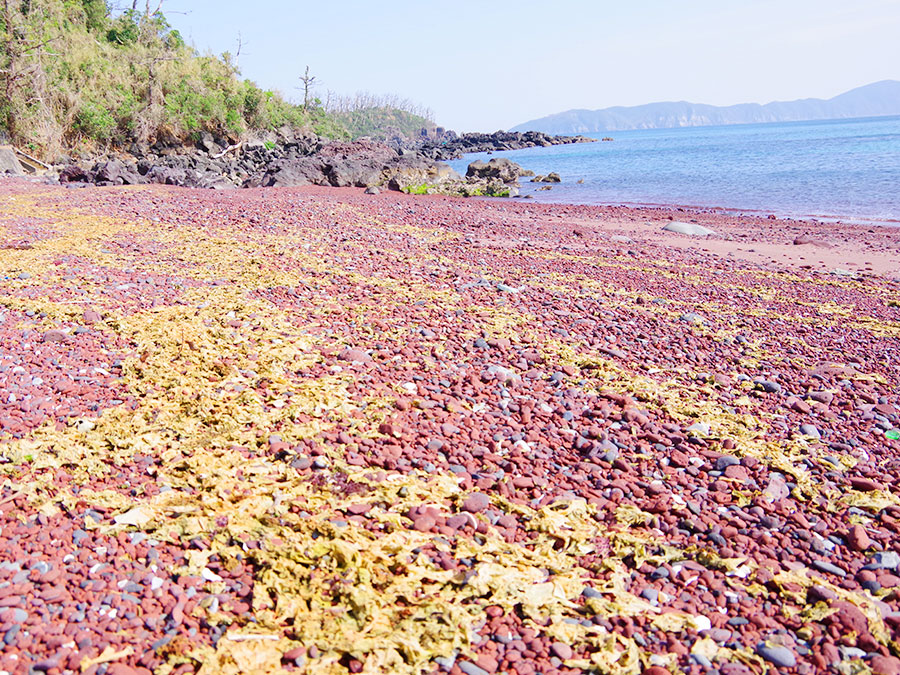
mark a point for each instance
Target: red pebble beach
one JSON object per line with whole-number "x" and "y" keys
{"x": 315, "y": 430}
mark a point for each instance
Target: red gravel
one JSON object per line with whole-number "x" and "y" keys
{"x": 524, "y": 351}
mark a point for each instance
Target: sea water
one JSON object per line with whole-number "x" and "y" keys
{"x": 833, "y": 169}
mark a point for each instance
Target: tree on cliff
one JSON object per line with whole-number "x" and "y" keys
{"x": 308, "y": 81}
{"x": 76, "y": 74}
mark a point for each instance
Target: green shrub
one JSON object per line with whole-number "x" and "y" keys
{"x": 95, "y": 14}
{"x": 95, "y": 121}
{"x": 124, "y": 30}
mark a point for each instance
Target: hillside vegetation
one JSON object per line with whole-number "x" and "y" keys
{"x": 73, "y": 74}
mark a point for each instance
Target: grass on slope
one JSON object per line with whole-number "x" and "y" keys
{"x": 75, "y": 75}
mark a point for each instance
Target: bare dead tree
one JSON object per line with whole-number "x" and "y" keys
{"x": 237, "y": 56}
{"x": 308, "y": 81}
{"x": 147, "y": 12}
{"x": 364, "y": 100}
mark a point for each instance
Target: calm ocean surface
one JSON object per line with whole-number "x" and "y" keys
{"x": 844, "y": 169}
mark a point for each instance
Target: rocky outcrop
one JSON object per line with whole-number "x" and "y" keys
{"x": 451, "y": 146}
{"x": 9, "y": 163}
{"x": 286, "y": 158}
{"x": 551, "y": 177}
{"x": 359, "y": 164}
{"x": 498, "y": 168}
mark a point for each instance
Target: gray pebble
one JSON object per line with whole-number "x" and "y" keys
{"x": 848, "y": 653}
{"x": 702, "y": 660}
{"x": 78, "y": 536}
{"x": 824, "y": 566}
{"x": 19, "y": 616}
{"x": 651, "y": 595}
{"x": 767, "y": 386}
{"x": 9, "y": 637}
{"x": 780, "y": 656}
{"x": 811, "y": 431}
{"x": 162, "y": 642}
{"x": 872, "y": 586}
{"x": 446, "y": 662}
{"x": 589, "y": 592}
{"x": 725, "y": 461}
{"x": 46, "y": 664}
{"x": 470, "y": 668}
{"x": 885, "y": 560}
{"x": 716, "y": 538}
{"x": 42, "y": 567}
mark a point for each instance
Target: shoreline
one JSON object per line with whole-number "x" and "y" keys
{"x": 755, "y": 238}
{"x": 760, "y": 237}
{"x": 739, "y": 212}
{"x": 793, "y": 173}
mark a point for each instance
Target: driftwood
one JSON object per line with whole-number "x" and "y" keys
{"x": 230, "y": 148}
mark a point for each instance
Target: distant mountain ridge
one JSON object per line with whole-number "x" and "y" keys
{"x": 872, "y": 100}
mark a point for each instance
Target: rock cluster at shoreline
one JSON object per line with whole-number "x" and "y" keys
{"x": 290, "y": 158}
{"x": 451, "y": 146}
{"x": 312, "y": 430}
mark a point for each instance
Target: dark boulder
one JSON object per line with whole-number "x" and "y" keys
{"x": 295, "y": 172}
{"x": 499, "y": 168}
{"x": 75, "y": 174}
{"x": 417, "y": 171}
{"x": 9, "y": 163}
{"x": 115, "y": 172}
{"x": 166, "y": 175}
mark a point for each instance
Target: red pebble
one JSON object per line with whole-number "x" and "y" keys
{"x": 55, "y": 336}
{"x": 857, "y": 538}
{"x": 864, "y": 484}
{"x": 885, "y": 665}
{"x": 562, "y": 650}
{"x": 476, "y": 502}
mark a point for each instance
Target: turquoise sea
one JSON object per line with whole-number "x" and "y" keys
{"x": 834, "y": 169}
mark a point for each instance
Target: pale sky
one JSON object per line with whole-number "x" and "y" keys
{"x": 483, "y": 66}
